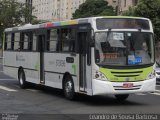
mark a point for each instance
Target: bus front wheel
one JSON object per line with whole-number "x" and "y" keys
{"x": 68, "y": 88}
{"x": 122, "y": 97}
{"x": 22, "y": 79}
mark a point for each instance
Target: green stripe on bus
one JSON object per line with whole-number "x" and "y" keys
{"x": 37, "y": 65}
{"x": 114, "y": 75}
{"x": 74, "y": 69}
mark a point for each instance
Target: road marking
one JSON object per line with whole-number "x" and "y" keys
{"x": 7, "y": 89}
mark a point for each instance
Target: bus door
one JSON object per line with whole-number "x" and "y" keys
{"x": 82, "y": 60}
{"x": 83, "y": 47}
{"x": 41, "y": 46}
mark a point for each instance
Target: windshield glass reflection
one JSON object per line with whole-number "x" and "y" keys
{"x": 124, "y": 48}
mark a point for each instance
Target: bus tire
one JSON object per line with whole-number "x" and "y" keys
{"x": 22, "y": 79}
{"x": 122, "y": 97}
{"x": 68, "y": 88}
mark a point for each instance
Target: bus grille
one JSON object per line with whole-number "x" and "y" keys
{"x": 127, "y": 74}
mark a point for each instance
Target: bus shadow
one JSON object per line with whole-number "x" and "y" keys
{"x": 107, "y": 100}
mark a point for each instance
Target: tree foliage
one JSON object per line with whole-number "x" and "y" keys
{"x": 13, "y": 13}
{"x": 93, "y": 8}
{"x": 149, "y": 9}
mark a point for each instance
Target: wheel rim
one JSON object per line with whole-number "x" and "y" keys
{"x": 68, "y": 88}
{"x": 21, "y": 79}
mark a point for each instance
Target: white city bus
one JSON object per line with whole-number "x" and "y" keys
{"x": 92, "y": 56}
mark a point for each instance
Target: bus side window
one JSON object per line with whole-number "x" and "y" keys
{"x": 17, "y": 41}
{"x": 26, "y": 41}
{"x": 8, "y": 41}
{"x": 52, "y": 39}
{"x": 72, "y": 40}
{"x": 34, "y": 42}
{"x": 68, "y": 40}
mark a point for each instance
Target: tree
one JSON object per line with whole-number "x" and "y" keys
{"x": 149, "y": 9}
{"x": 93, "y": 8}
{"x": 13, "y": 13}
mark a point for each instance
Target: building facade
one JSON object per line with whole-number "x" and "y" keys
{"x": 113, "y": 3}
{"x": 54, "y": 10}
{"x": 124, "y": 5}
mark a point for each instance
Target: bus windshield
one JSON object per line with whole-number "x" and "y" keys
{"x": 124, "y": 48}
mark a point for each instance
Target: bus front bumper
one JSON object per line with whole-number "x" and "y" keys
{"x": 105, "y": 87}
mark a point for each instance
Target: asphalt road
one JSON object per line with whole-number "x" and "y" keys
{"x": 43, "y": 103}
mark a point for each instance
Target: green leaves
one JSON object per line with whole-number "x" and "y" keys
{"x": 149, "y": 9}
{"x": 10, "y": 13}
{"x": 93, "y": 8}
{"x": 13, "y": 13}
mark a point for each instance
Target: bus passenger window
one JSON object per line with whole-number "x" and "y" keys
{"x": 68, "y": 40}
{"x": 8, "y": 42}
{"x": 53, "y": 40}
{"x": 34, "y": 42}
{"x": 17, "y": 41}
{"x": 26, "y": 40}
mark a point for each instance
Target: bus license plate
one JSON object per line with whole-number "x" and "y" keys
{"x": 127, "y": 85}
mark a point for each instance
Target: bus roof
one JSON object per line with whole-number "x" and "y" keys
{"x": 64, "y": 23}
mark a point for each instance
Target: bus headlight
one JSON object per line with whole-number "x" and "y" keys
{"x": 100, "y": 76}
{"x": 152, "y": 75}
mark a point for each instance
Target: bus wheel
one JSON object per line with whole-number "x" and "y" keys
{"x": 68, "y": 88}
{"x": 22, "y": 79}
{"x": 122, "y": 97}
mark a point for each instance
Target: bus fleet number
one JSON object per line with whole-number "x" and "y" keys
{"x": 60, "y": 63}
